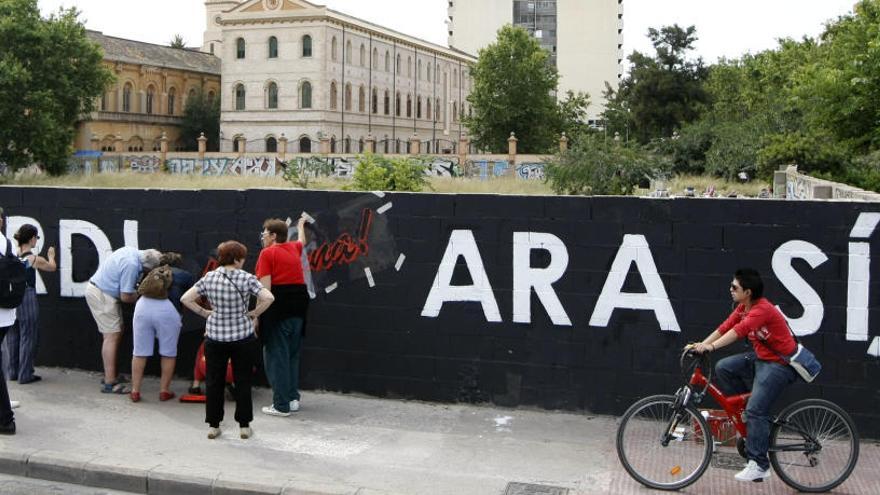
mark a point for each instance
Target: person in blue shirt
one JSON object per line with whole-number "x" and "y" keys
{"x": 115, "y": 283}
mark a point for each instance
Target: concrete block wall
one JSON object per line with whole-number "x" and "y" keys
{"x": 386, "y": 341}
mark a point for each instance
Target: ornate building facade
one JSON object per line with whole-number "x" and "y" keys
{"x": 149, "y": 95}
{"x": 304, "y": 72}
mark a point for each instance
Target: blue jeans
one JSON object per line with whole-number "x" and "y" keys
{"x": 283, "y": 340}
{"x": 740, "y": 373}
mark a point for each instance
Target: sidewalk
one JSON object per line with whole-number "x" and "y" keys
{"x": 336, "y": 444}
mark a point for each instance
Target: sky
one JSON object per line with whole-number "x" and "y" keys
{"x": 725, "y": 28}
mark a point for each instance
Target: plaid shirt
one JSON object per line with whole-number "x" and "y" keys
{"x": 229, "y": 321}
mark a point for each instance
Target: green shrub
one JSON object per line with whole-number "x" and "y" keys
{"x": 814, "y": 153}
{"x": 378, "y": 173}
{"x": 301, "y": 171}
{"x": 600, "y": 167}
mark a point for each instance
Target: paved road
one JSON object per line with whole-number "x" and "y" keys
{"x": 15, "y": 485}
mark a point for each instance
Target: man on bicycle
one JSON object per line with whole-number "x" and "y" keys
{"x": 763, "y": 370}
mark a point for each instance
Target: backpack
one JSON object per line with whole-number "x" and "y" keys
{"x": 13, "y": 279}
{"x": 156, "y": 283}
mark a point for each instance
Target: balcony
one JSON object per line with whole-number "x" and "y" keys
{"x": 143, "y": 118}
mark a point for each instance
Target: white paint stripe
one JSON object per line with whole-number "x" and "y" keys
{"x": 370, "y": 277}
{"x": 379, "y": 193}
{"x": 399, "y": 262}
{"x": 874, "y": 348}
{"x": 307, "y": 217}
{"x": 382, "y": 209}
{"x": 865, "y": 225}
{"x": 330, "y": 288}
{"x": 288, "y": 221}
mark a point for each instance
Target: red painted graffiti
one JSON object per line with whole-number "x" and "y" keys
{"x": 345, "y": 249}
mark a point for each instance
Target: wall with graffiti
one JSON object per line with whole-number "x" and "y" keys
{"x": 568, "y": 303}
{"x": 342, "y": 167}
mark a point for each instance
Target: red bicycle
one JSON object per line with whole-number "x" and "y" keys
{"x": 665, "y": 443}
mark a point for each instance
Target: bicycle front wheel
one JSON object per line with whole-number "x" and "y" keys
{"x": 814, "y": 445}
{"x": 661, "y": 446}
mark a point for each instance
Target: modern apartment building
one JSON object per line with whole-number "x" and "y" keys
{"x": 584, "y": 37}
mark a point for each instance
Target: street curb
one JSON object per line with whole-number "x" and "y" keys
{"x": 91, "y": 470}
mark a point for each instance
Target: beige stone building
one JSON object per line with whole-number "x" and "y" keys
{"x": 584, "y": 37}
{"x": 302, "y": 72}
{"x": 148, "y": 97}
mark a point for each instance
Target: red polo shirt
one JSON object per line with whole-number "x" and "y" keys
{"x": 283, "y": 262}
{"x": 765, "y": 328}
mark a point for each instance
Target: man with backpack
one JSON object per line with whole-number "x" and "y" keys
{"x": 12, "y": 284}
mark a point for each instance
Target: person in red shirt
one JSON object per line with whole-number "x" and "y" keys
{"x": 282, "y": 327}
{"x": 762, "y": 370}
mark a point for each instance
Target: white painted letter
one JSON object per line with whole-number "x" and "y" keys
{"x": 541, "y": 279}
{"x": 461, "y": 243}
{"x": 814, "y": 310}
{"x": 66, "y": 230}
{"x": 14, "y": 223}
{"x": 859, "y": 277}
{"x": 634, "y": 249}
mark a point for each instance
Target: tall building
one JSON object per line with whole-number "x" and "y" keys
{"x": 300, "y": 70}
{"x": 584, "y": 37}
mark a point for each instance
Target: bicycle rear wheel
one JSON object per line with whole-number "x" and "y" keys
{"x": 814, "y": 445}
{"x": 640, "y": 439}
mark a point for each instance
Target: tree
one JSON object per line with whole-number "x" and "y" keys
{"x": 661, "y": 93}
{"x": 50, "y": 75}
{"x": 513, "y": 92}
{"x": 177, "y": 42}
{"x": 201, "y": 114}
{"x": 573, "y": 115}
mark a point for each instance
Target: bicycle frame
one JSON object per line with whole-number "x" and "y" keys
{"x": 733, "y": 405}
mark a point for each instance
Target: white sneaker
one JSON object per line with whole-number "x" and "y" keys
{"x": 247, "y": 432}
{"x": 14, "y": 404}
{"x": 753, "y": 473}
{"x": 294, "y": 406}
{"x": 214, "y": 433}
{"x": 271, "y": 411}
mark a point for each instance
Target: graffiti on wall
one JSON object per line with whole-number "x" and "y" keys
{"x": 143, "y": 164}
{"x": 486, "y": 169}
{"x": 530, "y": 171}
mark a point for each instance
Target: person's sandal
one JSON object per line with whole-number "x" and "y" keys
{"x": 135, "y": 396}
{"x": 115, "y": 388}
{"x": 163, "y": 396}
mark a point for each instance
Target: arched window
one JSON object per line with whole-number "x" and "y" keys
{"x": 387, "y": 105}
{"x": 455, "y": 78}
{"x": 419, "y": 107}
{"x": 333, "y": 144}
{"x": 333, "y": 95}
{"x": 239, "y": 97}
{"x": 126, "y": 97}
{"x": 386, "y": 144}
{"x": 419, "y": 74}
{"x": 333, "y": 48}
{"x": 235, "y": 143}
{"x": 397, "y": 104}
{"x": 387, "y": 61}
{"x": 397, "y": 65}
{"x": 273, "y": 47}
{"x": 361, "y": 99}
{"x": 306, "y": 95}
{"x": 361, "y": 145}
{"x": 172, "y": 96}
{"x": 151, "y": 95}
{"x": 429, "y": 72}
{"x": 190, "y": 95}
{"x": 436, "y": 107}
{"x": 239, "y": 48}
{"x": 454, "y": 111}
{"x": 271, "y": 145}
{"x": 408, "y": 66}
{"x": 428, "y": 109}
{"x": 348, "y": 97}
{"x": 409, "y": 105}
{"x": 346, "y": 146}
{"x": 363, "y": 56}
{"x": 375, "y": 59}
{"x": 305, "y": 144}
{"x": 375, "y": 101}
{"x": 307, "y": 46}
{"x": 210, "y": 96}
{"x": 348, "y": 52}
{"x": 272, "y": 100}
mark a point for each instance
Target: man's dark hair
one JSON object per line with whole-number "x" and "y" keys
{"x": 278, "y": 227}
{"x": 750, "y": 279}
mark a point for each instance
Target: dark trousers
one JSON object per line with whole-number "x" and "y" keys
{"x": 740, "y": 373}
{"x": 283, "y": 341}
{"x": 244, "y": 355}
{"x": 21, "y": 343}
{"x": 6, "y": 415}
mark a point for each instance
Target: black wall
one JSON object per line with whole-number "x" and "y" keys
{"x": 375, "y": 341}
